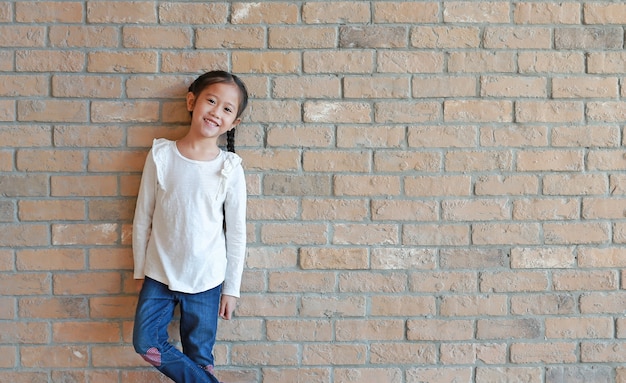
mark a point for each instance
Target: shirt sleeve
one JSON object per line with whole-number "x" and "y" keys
{"x": 235, "y": 216}
{"x": 142, "y": 222}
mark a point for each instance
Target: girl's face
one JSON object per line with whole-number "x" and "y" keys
{"x": 214, "y": 111}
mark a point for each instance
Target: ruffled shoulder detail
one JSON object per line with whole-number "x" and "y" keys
{"x": 161, "y": 153}
{"x": 231, "y": 161}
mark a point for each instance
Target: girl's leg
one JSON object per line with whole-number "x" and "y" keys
{"x": 155, "y": 310}
{"x": 198, "y": 326}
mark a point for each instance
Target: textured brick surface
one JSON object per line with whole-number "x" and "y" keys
{"x": 436, "y": 188}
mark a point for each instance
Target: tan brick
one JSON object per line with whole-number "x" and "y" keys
{"x": 362, "y": 234}
{"x": 264, "y": 354}
{"x": 588, "y": 38}
{"x": 306, "y": 87}
{"x": 384, "y": 210}
{"x": 476, "y": 258}
{"x": 543, "y": 257}
{"x": 513, "y": 281}
{"x": 410, "y": 353}
{"x": 497, "y": 37}
{"x": 334, "y": 209}
{"x": 124, "y": 111}
{"x": 120, "y": 161}
{"x": 546, "y": 62}
{"x": 592, "y": 257}
{"x": 87, "y": 136}
{"x": 503, "y": 185}
{"x": 576, "y": 233}
{"x": 404, "y": 258}
{"x": 336, "y": 354}
{"x": 337, "y": 112}
{"x": 300, "y": 135}
{"x": 373, "y": 329}
{"x": 321, "y": 258}
{"x": 424, "y": 186}
{"x": 478, "y": 161}
{"x": 39, "y": 160}
{"x": 7, "y": 263}
{"x": 442, "y": 136}
{"x": 148, "y": 86}
{"x": 288, "y": 375}
{"x": 457, "y": 282}
{"x": 29, "y": 185}
{"x": 118, "y": 307}
{"x": 299, "y": 330}
{"x": 86, "y": 86}
{"x": 8, "y": 358}
{"x": 239, "y": 37}
{"x": 602, "y": 302}
{"x": 513, "y": 86}
{"x": 24, "y": 333}
{"x": 298, "y": 282}
{"x": 275, "y": 208}
{"x": 85, "y": 332}
{"x": 266, "y": 62}
{"x": 544, "y": 353}
{"x": 372, "y": 36}
{"x": 407, "y": 112}
{"x": 476, "y": 12}
{"x": 79, "y": 36}
{"x": 579, "y": 328}
{"x": 278, "y": 233}
{"x": 335, "y": 12}
{"x": 110, "y": 258}
{"x": 403, "y": 161}
{"x": 366, "y": 185}
{"x": 574, "y": 184}
{"x": 122, "y": 62}
{"x": 23, "y": 85}
{"x": 6, "y": 12}
{"x": 469, "y": 353}
{"x": 438, "y": 374}
{"x": 405, "y": 12}
{"x": 606, "y": 62}
{"x": 475, "y": 210}
{"x": 140, "y": 12}
{"x": 85, "y": 234}
{"x": 594, "y": 208}
{"x": 445, "y": 37}
{"x": 551, "y": 160}
{"x": 156, "y": 37}
{"x": 546, "y": 13}
{"x": 378, "y": 87}
{"x": 24, "y": 235}
{"x": 193, "y": 13}
{"x": 22, "y": 36}
{"x": 549, "y": 111}
{"x": 602, "y": 351}
{"x": 277, "y": 159}
{"x": 51, "y": 210}
{"x": 606, "y": 159}
{"x": 586, "y": 136}
{"x": 436, "y": 235}
{"x": 301, "y": 37}
{"x": 49, "y": 61}
{"x": 604, "y": 13}
{"x": 52, "y": 111}
{"x": 338, "y": 61}
{"x": 544, "y": 304}
{"x": 7, "y": 60}
{"x": 332, "y": 306}
{"x": 588, "y": 87}
{"x": 54, "y": 308}
{"x": 375, "y": 281}
{"x": 264, "y": 13}
{"x": 336, "y": 161}
{"x": 389, "y": 61}
{"x": 48, "y": 12}
{"x": 478, "y": 111}
{"x": 472, "y": 305}
{"x": 444, "y": 86}
{"x": 505, "y": 328}
{"x": 19, "y": 284}
{"x": 63, "y": 186}
{"x": 479, "y": 62}
{"x": 312, "y": 185}
{"x": 609, "y": 111}
{"x": 402, "y": 306}
{"x": 574, "y": 280}
{"x": 431, "y": 329}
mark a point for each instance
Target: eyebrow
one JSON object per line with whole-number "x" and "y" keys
{"x": 227, "y": 102}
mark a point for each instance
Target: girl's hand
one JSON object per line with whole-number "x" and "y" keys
{"x": 227, "y": 306}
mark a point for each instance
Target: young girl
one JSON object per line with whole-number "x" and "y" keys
{"x": 189, "y": 233}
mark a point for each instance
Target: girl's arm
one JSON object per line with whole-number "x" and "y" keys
{"x": 235, "y": 216}
{"x": 142, "y": 222}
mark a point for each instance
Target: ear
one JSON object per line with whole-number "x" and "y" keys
{"x": 235, "y": 123}
{"x": 191, "y": 101}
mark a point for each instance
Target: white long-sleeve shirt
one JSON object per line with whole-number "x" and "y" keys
{"x": 178, "y": 230}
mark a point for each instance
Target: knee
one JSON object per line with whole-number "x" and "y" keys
{"x": 152, "y": 355}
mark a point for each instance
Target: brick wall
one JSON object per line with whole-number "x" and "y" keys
{"x": 436, "y": 188}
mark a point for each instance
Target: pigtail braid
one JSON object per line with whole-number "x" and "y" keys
{"x": 230, "y": 140}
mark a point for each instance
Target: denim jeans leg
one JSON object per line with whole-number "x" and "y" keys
{"x": 198, "y": 326}
{"x": 155, "y": 310}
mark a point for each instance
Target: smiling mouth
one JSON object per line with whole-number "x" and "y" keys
{"x": 211, "y": 122}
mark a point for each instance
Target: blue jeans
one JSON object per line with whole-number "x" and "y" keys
{"x": 198, "y": 326}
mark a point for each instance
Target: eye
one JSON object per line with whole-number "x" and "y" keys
{"x": 211, "y": 101}
{"x": 228, "y": 109}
